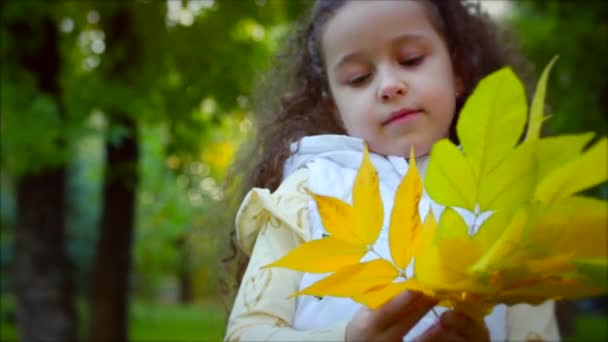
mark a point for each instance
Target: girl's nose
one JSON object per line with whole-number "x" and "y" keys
{"x": 391, "y": 88}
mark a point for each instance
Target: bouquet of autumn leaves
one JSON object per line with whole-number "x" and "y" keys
{"x": 533, "y": 237}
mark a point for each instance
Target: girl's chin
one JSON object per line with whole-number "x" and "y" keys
{"x": 405, "y": 151}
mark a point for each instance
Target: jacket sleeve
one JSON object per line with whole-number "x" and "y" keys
{"x": 268, "y": 227}
{"x": 533, "y": 323}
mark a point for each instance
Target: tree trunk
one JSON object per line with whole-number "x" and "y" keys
{"x": 45, "y": 309}
{"x": 184, "y": 272}
{"x": 44, "y": 285}
{"x": 111, "y": 269}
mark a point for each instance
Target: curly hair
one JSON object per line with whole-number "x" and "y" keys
{"x": 476, "y": 46}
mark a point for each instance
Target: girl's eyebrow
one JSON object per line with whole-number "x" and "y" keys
{"x": 403, "y": 38}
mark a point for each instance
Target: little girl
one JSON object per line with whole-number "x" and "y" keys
{"x": 393, "y": 75}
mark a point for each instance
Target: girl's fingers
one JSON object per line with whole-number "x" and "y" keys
{"x": 464, "y": 325}
{"x": 438, "y": 333}
{"x": 401, "y": 313}
{"x": 385, "y": 314}
{"x": 456, "y": 321}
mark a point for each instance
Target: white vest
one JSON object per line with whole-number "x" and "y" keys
{"x": 333, "y": 161}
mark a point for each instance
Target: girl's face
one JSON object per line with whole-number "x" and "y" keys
{"x": 390, "y": 75}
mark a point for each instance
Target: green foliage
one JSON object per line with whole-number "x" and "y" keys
{"x": 32, "y": 125}
{"x": 84, "y": 196}
{"x": 180, "y": 210}
{"x": 32, "y": 134}
{"x": 7, "y": 223}
{"x": 162, "y": 214}
{"x": 187, "y": 85}
{"x": 589, "y": 328}
{"x": 576, "y": 95}
{"x": 576, "y": 32}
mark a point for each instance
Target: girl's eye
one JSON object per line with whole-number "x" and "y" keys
{"x": 358, "y": 80}
{"x": 412, "y": 61}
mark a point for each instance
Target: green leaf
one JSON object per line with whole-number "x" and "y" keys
{"x": 590, "y": 169}
{"x": 512, "y": 182}
{"x": 451, "y": 226}
{"x": 536, "y": 112}
{"x": 493, "y": 227}
{"x": 492, "y": 121}
{"x": 554, "y": 152}
{"x": 449, "y": 177}
{"x": 594, "y": 270}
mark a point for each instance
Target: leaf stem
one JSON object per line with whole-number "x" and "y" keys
{"x": 400, "y": 271}
{"x": 435, "y": 313}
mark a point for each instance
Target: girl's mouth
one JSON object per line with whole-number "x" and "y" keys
{"x": 402, "y": 115}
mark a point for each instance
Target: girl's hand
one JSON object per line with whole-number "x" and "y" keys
{"x": 391, "y": 321}
{"x": 456, "y": 327}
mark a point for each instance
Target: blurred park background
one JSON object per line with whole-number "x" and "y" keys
{"x": 119, "y": 120}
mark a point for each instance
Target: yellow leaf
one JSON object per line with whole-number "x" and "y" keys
{"x": 505, "y": 245}
{"x": 320, "y": 256}
{"x": 427, "y": 234}
{"x": 376, "y": 296}
{"x": 590, "y": 169}
{"x": 367, "y": 203}
{"x": 539, "y": 242}
{"x": 353, "y": 229}
{"x": 338, "y": 219}
{"x": 538, "y": 289}
{"x": 456, "y": 251}
{"x": 353, "y": 280}
{"x": 550, "y": 265}
{"x": 405, "y": 223}
{"x": 449, "y": 178}
{"x": 425, "y": 253}
{"x": 442, "y": 263}
{"x": 575, "y": 225}
{"x": 455, "y": 256}
{"x": 531, "y": 271}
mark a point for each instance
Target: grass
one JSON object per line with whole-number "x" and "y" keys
{"x": 177, "y": 323}
{"x": 206, "y": 322}
{"x": 149, "y": 322}
{"x": 8, "y": 332}
{"x": 590, "y": 328}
